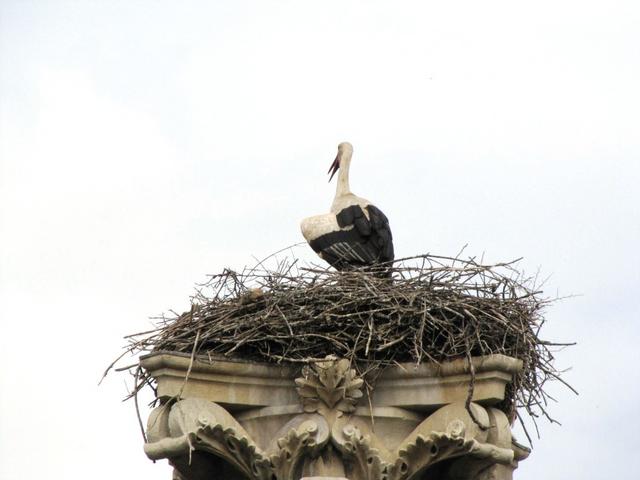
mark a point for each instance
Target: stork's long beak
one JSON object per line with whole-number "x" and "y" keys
{"x": 334, "y": 166}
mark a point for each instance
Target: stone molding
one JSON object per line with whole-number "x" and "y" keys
{"x": 241, "y": 384}
{"x": 328, "y": 433}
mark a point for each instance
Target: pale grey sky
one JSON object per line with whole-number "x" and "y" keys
{"x": 144, "y": 144}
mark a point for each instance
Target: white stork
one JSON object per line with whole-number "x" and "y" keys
{"x": 355, "y": 233}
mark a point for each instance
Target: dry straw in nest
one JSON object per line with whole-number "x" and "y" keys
{"x": 432, "y": 308}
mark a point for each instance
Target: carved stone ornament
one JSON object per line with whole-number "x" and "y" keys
{"x": 425, "y": 451}
{"x": 196, "y": 424}
{"x": 328, "y": 434}
{"x": 329, "y": 384}
{"x": 363, "y": 460}
{"x": 299, "y": 444}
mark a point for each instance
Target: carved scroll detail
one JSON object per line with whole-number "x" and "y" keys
{"x": 426, "y": 450}
{"x": 365, "y": 461}
{"x": 237, "y": 449}
{"x": 297, "y": 444}
{"x": 331, "y": 384}
{"x": 196, "y": 424}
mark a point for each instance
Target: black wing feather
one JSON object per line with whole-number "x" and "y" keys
{"x": 360, "y": 241}
{"x": 381, "y": 233}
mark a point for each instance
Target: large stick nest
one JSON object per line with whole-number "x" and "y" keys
{"x": 432, "y": 309}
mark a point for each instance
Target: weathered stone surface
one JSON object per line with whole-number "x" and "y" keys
{"x": 429, "y": 386}
{"x": 235, "y": 384}
{"x": 239, "y": 420}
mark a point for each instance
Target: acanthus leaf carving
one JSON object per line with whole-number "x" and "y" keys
{"x": 330, "y": 384}
{"x": 297, "y": 445}
{"x": 235, "y": 449}
{"x": 426, "y": 450}
{"x": 365, "y": 462}
{"x": 205, "y": 426}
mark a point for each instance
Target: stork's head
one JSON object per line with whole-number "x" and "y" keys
{"x": 345, "y": 149}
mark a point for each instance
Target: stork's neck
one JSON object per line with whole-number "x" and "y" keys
{"x": 342, "y": 188}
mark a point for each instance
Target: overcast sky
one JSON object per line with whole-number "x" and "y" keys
{"x": 145, "y": 144}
